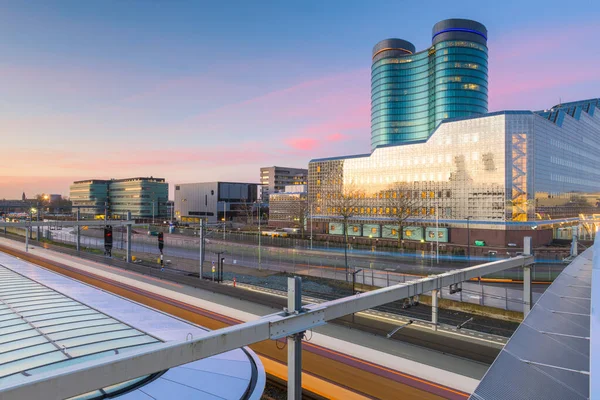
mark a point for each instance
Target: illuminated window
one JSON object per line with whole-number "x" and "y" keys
{"x": 423, "y": 211}
{"x": 432, "y": 211}
{"x": 355, "y": 229}
{"x": 387, "y": 210}
{"x": 408, "y": 233}
{"x": 394, "y": 195}
{"x": 318, "y": 195}
{"x": 387, "y": 195}
{"x": 368, "y": 210}
{"x": 373, "y": 230}
{"x": 423, "y": 195}
{"x": 318, "y": 181}
{"x": 394, "y": 232}
{"x": 394, "y": 210}
{"x": 318, "y": 168}
{"x": 362, "y": 210}
{"x": 381, "y": 195}
{"x": 431, "y": 195}
{"x": 380, "y": 210}
{"x": 318, "y": 209}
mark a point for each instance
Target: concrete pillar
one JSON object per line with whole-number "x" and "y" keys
{"x": 128, "y": 238}
{"x": 294, "y": 342}
{"x": 434, "y": 308}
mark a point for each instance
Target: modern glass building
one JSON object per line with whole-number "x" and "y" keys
{"x": 143, "y": 197}
{"x": 412, "y": 92}
{"x": 502, "y": 175}
{"x": 89, "y": 196}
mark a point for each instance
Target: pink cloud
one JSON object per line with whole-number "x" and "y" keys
{"x": 304, "y": 144}
{"x": 336, "y": 137}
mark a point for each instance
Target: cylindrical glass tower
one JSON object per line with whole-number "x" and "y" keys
{"x": 411, "y": 93}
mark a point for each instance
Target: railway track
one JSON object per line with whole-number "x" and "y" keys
{"x": 326, "y": 373}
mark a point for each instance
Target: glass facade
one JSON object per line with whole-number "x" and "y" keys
{"x": 411, "y": 93}
{"x": 505, "y": 170}
{"x": 144, "y": 197}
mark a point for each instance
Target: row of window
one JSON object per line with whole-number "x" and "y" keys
{"x": 424, "y": 71}
{"x": 405, "y": 81}
{"x": 421, "y": 56}
{"x": 440, "y": 93}
{"x": 401, "y": 64}
{"x": 382, "y": 210}
{"x": 460, "y": 104}
{"x": 389, "y": 194}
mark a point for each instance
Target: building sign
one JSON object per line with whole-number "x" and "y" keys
{"x": 412, "y": 233}
{"x": 442, "y": 234}
{"x": 480, "y": 243}
{"x": 390, "y": 231}
{"x": 336, "y": 228}
{"x": 372, "y": 231}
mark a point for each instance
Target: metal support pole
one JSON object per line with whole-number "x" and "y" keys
{"x": 437, "y": 235}
{"x": 259, "y": 235}
{"x": 527, "y": 298}
{"x": 310, "y": 226}
{"x": 201, "y": 241}
{"x": 27, "y": 239}
{"x": 78, "y": 231}
{"x": 37, "y": 237}
{"x": 224, "y": 218}
{"x": 294, "y": 342}
{"x": 469, "y": 239}
{"x": 434, "y": 309}
{"x": 128, "y": 237}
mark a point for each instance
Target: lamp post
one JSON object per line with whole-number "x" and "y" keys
{"x": 437, "y": 235}
{"x": 469, "y": 239}
{"x": 311, "y": 225}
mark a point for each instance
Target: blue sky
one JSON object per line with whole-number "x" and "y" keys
{"x": 195, "y": 91}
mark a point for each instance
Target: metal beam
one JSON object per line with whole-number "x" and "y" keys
{"x": 71, "y": 381}
{"x": 67, "y": 223}
{"x": 434, "y": 308}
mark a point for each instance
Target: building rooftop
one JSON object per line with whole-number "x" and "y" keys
{"x": 548, "y": 356}
{"x": 49, "y": 321}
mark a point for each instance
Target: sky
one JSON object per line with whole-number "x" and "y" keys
{"x": 194, "y": 91}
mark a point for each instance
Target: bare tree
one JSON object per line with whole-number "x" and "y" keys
{"x": 345, "y": 204}
{"x": 403, "y": 202}
{"x": 300, "y": 214}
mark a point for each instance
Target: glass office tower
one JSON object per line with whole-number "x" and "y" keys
{"x": 412, "y": 92}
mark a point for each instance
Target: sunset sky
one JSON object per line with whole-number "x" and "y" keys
{"x": 199, "y": 91}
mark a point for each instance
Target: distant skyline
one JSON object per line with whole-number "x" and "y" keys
{"x": 195, "y": 91}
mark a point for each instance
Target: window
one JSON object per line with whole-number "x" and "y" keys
{"x": 318, "y": 168}
{"x": 318, "y": 181}
{"x": 423, "y": 195}
{"x": 355, "y": 229}
{"x": 373, "y": 230}
{"x": 431, "y": 195}
{"x": 387, "y": 210}
{"x": 394, "y": 195}
{"x": 394, "y": 210}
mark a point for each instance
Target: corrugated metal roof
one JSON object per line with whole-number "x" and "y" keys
{"x": 548, "y": 356}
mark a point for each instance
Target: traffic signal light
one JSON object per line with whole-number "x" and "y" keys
{"x": 108, "y": 239}
{"x": 161, "y": 241}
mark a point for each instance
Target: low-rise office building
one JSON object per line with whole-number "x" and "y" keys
{"x": 275, "y": 179}
{"x": 143, "y": 197}
{"x": 289, "y": 208}
{"x": 215, "y": 201}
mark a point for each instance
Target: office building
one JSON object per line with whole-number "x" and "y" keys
{"x": 482, "y": 178}
{"x": 215, "y": 201}
{"x": 411, "y": 93}
{"x": 89, "y": 196}
{"x": 143, "y": 197}
{"x": 274, "y": 179}
{"x": 289, "y": 208}
{"x": 502, "y": 175}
